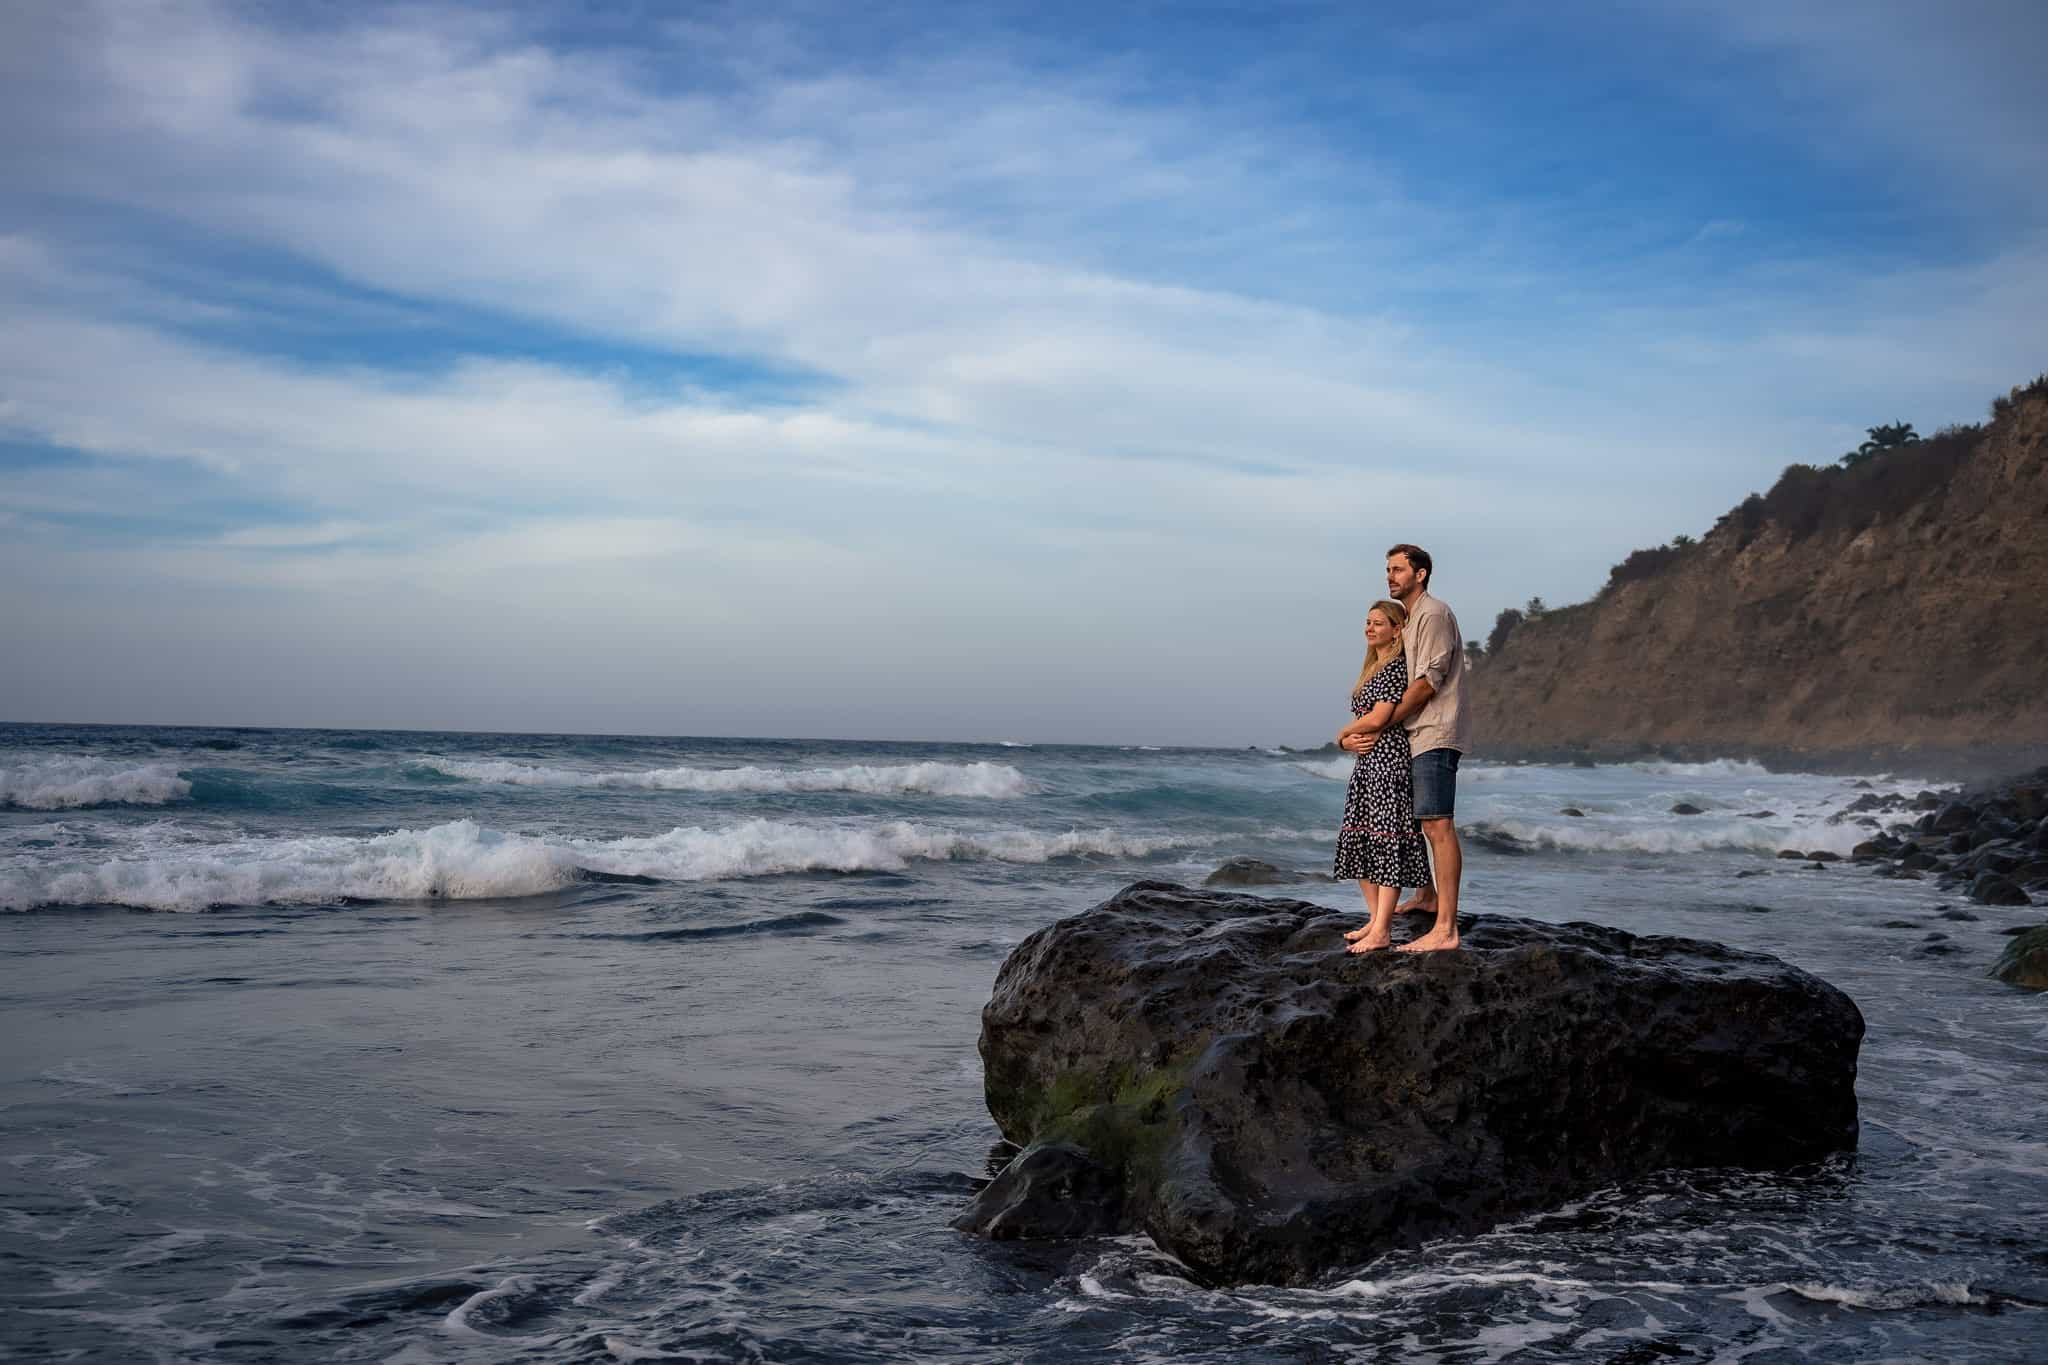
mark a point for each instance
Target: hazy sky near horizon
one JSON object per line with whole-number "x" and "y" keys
{"x": 967, "y": 371}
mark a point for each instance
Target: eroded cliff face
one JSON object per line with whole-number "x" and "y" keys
{"x": 1894, "y": 611}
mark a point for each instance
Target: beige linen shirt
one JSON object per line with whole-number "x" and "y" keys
{"x": 1436, "y": 651}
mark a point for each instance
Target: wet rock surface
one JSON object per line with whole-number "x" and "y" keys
{"x": 2025, "y": 960}
{"x": 1212, "y": 1069}
{"x": 1990, "y": 841}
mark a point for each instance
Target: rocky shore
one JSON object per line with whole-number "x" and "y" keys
{"x": 1989, "y": 842}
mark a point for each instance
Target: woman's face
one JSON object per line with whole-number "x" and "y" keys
{"x": 1378, "y": 629}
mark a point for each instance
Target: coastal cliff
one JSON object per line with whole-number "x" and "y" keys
{"x": 1894, "y": 610}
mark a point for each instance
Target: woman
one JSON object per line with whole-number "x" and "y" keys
{"x": 1380, "y": 845}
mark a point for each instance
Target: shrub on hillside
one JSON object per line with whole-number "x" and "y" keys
{"x": 2034, "y": 388}
{"x": 1808, "y": 501}
{"x": 1641, "y": 564}
{"x": 1746, "y": 518}
{"x": 1504, "y": 625}
{"x": 1798, "y": 499}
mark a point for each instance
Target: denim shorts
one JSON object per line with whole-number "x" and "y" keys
{"x": 1436, "y": 783}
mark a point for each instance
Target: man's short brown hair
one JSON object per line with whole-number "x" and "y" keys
{"x": 1418, "y": 560}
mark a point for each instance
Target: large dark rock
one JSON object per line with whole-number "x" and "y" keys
{"x": 2025, "y": 960}
{"x": 1992, "y": 889}
{"x": 1275, "y": 1108}
{"x": 1052, "y": 1190}
{"x": 1998, "y": 860}
{"x": 1952, "y": 817}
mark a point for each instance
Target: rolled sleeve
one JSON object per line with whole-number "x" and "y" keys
{"x": 1435, "y": 642}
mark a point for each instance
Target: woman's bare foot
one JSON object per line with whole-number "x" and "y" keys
{"x": 1370, "y": 942}
{"x": 1435, "y": 941}
{"x": 1353, "y": 935}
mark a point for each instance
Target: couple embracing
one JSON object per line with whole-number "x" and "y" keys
{"x": 1408, "y": 730}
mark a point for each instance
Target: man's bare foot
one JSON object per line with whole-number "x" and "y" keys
{"x": 1369, "y": 943}
{"x": 1423, "y": 904}
{"x": 1435, "y": 941}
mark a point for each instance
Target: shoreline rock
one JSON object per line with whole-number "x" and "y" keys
{"x": 1990, "y": 841}
{"x": 1212, "y": 1069}
{"x": 2025, "y": 960}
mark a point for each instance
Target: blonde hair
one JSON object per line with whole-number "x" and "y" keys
{"x": 1377, "y": 659}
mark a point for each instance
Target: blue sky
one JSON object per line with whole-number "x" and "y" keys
{"x": 1048, "y": 372}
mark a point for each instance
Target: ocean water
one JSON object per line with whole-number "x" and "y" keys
{"x": 437, "y": 1047}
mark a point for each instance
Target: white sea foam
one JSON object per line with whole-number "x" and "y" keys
{"x": 474, "y": 1316}
{"x": 461, "y": 860}
{"x": 73, "y": 783}
{"x": 1713, "y": 767}
{"x": 1879, "y": 1297}
{"x": 1339, "y": 769}
{"x": 998, "y": 780}
{"x": 1673, "y": 834}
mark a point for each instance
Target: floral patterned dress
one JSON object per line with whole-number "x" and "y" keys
{"x": 1381, "y": 840}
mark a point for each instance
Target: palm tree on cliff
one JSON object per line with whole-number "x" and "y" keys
{"x": 1896, "y": 436}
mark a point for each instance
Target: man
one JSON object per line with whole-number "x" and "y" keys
{"x": 1433, "y": 711}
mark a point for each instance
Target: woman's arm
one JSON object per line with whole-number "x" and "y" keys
{"x": 1374, "y": 720}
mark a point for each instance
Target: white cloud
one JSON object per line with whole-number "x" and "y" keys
{"x": 1029, "y": 442}
{"x": 291, "y": 537}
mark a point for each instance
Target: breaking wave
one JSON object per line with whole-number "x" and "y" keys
{"x": 1883, "y": 1298}
{"x": 75, "y": 783}
{"x": 998, "y": 780}
{"x": 462, "y": 860}
{"x": 1696, "y": 834}
{"x": 1716, "y": 767}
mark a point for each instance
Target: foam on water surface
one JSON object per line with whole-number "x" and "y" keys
{"x": 76, "y": 783}
{"x": 462, "y": 860}
{"x": 992, "y": 780}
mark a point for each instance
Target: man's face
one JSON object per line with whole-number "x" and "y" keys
{"x": 1402, "y": 580}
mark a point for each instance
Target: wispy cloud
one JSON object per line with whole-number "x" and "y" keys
{"x": 942, "y": 334}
